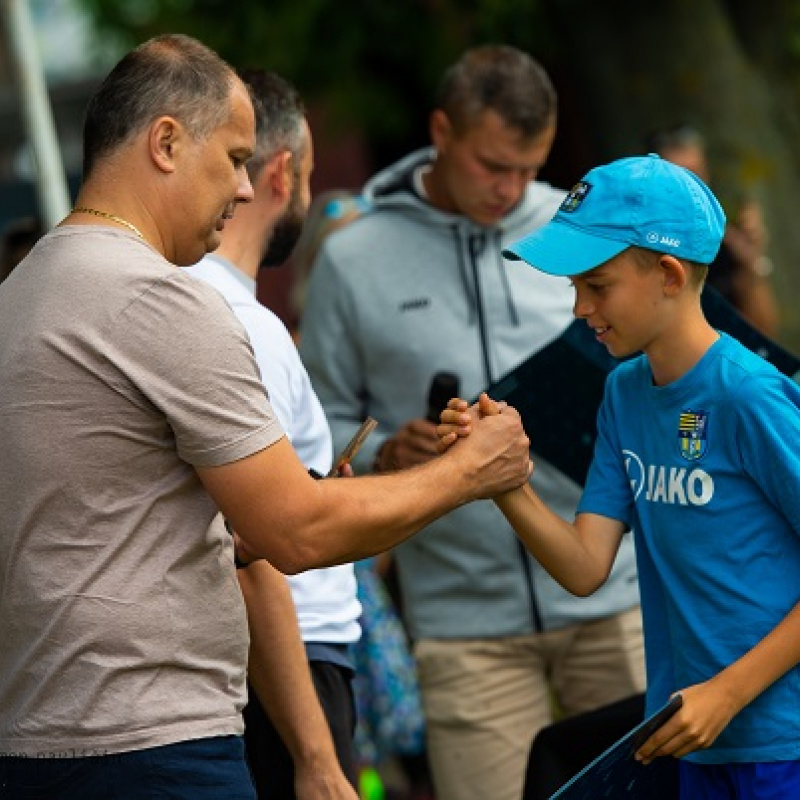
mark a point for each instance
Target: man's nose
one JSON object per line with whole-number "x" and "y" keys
{"x": 244, "y": 191}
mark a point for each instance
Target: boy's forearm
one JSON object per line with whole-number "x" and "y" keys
{"x": 760, "y": 667}
{"x": 556, "y": 544}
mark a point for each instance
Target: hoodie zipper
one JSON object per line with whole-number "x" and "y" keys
{"x": 476, "y": 244}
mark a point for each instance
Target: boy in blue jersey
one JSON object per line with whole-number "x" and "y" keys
{"x": 697, "y": 453}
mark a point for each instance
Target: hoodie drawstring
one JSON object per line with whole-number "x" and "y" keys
{"x": 462, "y": 269}
{"x": 477, "y": 243}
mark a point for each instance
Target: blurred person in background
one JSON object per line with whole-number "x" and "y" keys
{"x": 300, "y": 715}
{"x": 18, "y": 238}
{"x": 495, "y": 638}
{"x": 742, "y": 270}
{"x": 390, "y": 725}
{"x": 329, "y": 211}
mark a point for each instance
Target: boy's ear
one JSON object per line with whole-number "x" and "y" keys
{"x": 674, "y": 274}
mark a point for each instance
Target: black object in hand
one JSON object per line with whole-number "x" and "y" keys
{"x": 444, "y": 386}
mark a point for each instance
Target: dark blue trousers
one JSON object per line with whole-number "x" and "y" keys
{"x": 202, "y": 769}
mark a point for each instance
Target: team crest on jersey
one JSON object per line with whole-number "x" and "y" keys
{"x": 576, "y": 196}
{"x": 692, "y": 434}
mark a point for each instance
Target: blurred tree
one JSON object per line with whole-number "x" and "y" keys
{"x": 622, "y": 68}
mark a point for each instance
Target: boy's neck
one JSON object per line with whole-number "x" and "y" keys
{"x": 677, "y": 352}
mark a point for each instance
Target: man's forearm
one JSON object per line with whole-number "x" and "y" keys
{"x": 298, "y": 523}
{"x": 278, "y": 666}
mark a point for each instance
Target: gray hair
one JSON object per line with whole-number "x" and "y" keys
{"x": 280, "y": 118}
{"x": 173, "y": 75}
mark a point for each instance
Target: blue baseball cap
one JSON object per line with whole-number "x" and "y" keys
{"x": 643, "y": 201}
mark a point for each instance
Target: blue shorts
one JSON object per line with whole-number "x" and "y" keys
{"x": 773, "y": 780}
{"x": 202, "y": 769}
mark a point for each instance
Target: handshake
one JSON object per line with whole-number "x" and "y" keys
{"x": 490, "y": 436}
{"x": 456, "y": 420}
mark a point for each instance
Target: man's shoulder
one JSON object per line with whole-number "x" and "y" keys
{"x": 380, "y": 235}
{"x": 750, "y": 378}
{"x": 260, "y": 322}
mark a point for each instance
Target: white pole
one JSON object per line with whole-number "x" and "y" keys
{"x": 54, "y": 200}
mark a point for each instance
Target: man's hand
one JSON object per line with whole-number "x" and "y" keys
{"x": 493, "y": 445}
{"x": 322, "y": 783}
{"x": 414, "y": 443}
{"x": 345, "y": 471}
{"x": 244, "y": 556}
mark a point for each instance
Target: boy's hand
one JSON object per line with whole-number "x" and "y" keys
{"x": 414, "y": 443}
{"x": 706, "y": 711}
{"x": 457, "y": 418}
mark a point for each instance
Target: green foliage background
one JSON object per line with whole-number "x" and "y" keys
{"x": 622, "y": 68}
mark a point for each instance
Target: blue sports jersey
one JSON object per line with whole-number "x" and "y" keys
{"x": 706, "y": 472}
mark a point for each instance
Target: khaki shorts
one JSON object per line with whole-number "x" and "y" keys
{"x": 485, "y": 699}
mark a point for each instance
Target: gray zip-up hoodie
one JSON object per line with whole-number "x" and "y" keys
{"x": 405, "y": 292}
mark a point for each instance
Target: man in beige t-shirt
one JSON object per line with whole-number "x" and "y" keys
{"x": 131, "y": 414}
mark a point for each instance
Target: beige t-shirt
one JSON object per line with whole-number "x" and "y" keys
{"x": 121, "y": 621}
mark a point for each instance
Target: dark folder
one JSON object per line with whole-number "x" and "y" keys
{"x": 616, "y": 773}
{"x": 558, "y": 389}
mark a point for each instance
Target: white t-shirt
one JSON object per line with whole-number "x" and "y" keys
{"x": 121, "y": 621}
{"x": 325, "y": 599}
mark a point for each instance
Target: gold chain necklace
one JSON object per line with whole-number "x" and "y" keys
{"x": 106, "y": 215}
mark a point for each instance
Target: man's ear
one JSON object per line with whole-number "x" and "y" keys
{"x": 166, "y": 138}
{"x": 277, "y": 175}
{"x": 441, "y": 130}
{"x": 674, "y": 273}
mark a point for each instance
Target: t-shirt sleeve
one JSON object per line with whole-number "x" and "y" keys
{"x": 200, "y": 373}
{"x": 768, "y": 431}
{"x": 273, "y": 349}
{"x": 608, "y": 490}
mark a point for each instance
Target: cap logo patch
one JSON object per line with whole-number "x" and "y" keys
{"x": 572, "y": 202}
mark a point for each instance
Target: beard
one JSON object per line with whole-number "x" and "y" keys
{"x": 284, "y": 237}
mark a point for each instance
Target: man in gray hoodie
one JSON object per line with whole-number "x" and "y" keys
{"x": 495, "y": 637}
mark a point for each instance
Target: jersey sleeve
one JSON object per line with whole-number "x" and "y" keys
{"x": 768, "y": 432}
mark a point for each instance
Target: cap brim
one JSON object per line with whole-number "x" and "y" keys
{"x": 559, "y": 249}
